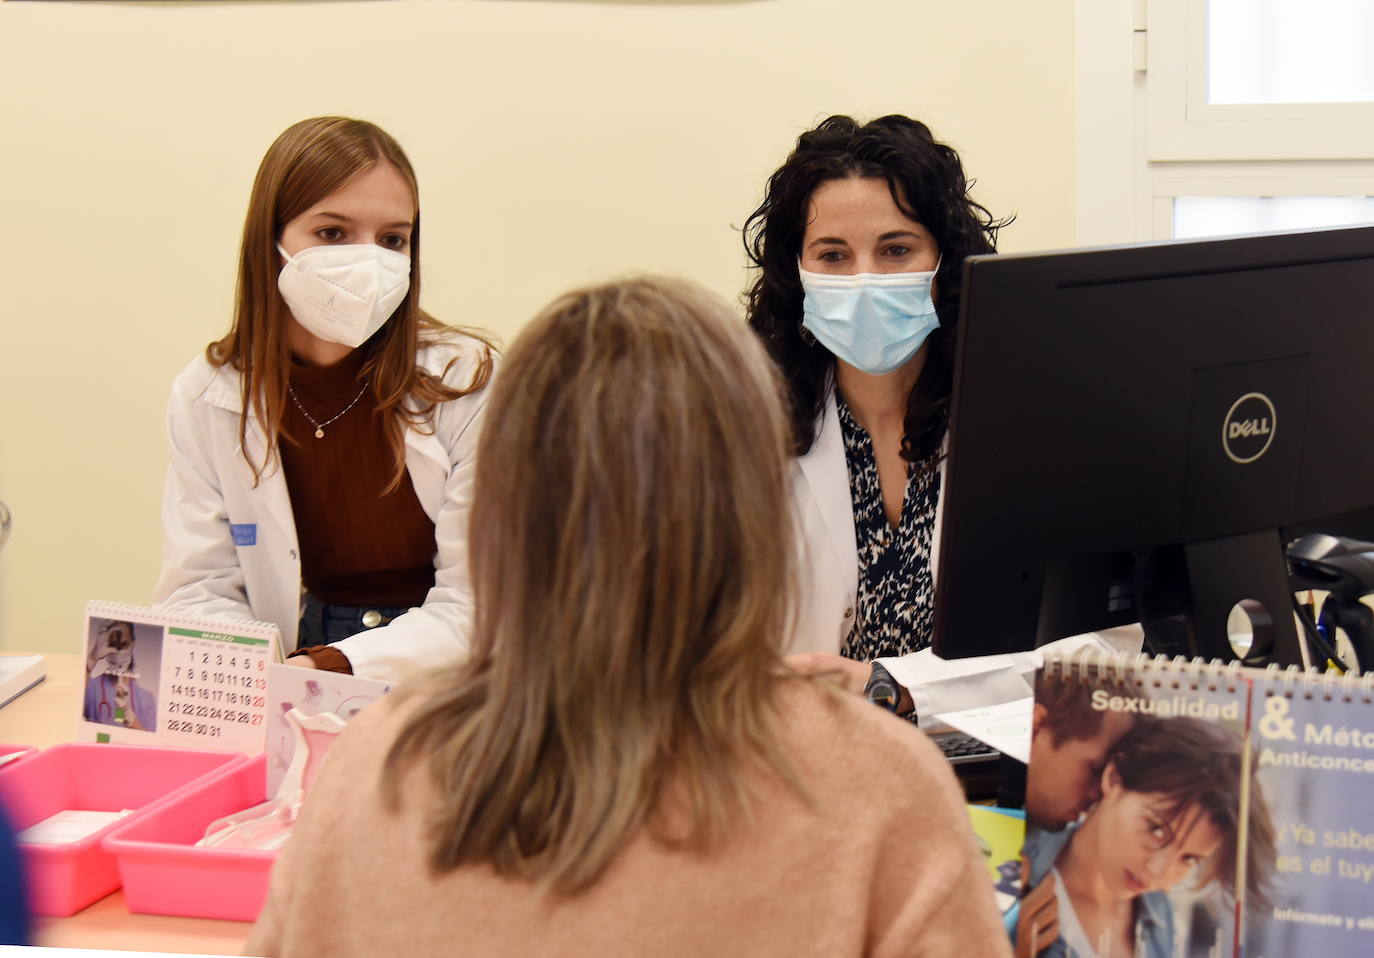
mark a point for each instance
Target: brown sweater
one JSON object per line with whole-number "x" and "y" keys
{"x": 884, "y": 864}
{"x": 358, "y": 546}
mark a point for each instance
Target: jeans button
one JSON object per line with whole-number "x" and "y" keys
{"x": 372, "y": 618}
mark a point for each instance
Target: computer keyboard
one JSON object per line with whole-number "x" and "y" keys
{"x": 977, "y": 765}
{"x": 961, "y": 749}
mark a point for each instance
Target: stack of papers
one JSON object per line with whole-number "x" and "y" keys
{"x": 990, "y": 696}
{"x": 69, "y": 826}
{"x": 18, "y": 674}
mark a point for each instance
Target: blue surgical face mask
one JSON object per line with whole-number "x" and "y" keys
{"x": 874, "y": 321}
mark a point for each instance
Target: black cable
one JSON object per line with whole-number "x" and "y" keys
{"x": 1314, "y": 637}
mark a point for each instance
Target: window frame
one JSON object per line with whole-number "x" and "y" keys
{"x": 1128, "y": 169}
{"x": 1183, "y": 126}
{"x": 1251, "y": 179}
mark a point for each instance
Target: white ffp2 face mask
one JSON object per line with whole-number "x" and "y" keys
{"x": 344, "y": 294}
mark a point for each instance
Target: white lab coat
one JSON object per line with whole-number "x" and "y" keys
{"x": 210, "y": 500}
{"x": 829, "y": 554}
{"x": 830, "y": 585}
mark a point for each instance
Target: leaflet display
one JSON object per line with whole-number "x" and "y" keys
{"x": 1226, "y": 814}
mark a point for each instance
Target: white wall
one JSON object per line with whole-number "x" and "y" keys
{"x": 556, "y": 142}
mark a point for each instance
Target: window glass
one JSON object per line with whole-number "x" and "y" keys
{"x": 1290, "y": 51}
{"x": 1197, "y": 216}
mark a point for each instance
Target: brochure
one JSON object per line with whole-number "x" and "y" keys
{"x": 1163, "y": 821}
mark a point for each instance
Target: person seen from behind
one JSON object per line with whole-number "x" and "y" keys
{"x": 625, "y": 764}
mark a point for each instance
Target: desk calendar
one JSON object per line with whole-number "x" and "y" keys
{"x": 157, "y": 679}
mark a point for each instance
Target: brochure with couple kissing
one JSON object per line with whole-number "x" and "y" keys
{"x": 1187, "y": 808}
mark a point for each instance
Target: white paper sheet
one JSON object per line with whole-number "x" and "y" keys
{"x": 941, "y": 685}
{"x": 66, "y": 827}
{"x": 1005, "y": 727}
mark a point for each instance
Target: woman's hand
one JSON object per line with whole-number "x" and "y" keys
{"x": 852, "y": 675}
{"x": 1037, "y": 923}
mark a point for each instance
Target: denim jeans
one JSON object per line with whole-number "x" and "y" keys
{"x": 325, "y": 624}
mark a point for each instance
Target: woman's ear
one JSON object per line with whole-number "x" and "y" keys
{"x": 1039, "y": 733}
{"x": 1111, "y": 779}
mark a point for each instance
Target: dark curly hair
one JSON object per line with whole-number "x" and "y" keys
{"x": 928, "y": 184}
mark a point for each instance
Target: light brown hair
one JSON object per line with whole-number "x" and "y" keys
{"x": 309, "y": 161}
{"x": 632, "y": 516}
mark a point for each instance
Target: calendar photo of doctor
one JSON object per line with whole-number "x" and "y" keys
{"x": 118, "y": 682}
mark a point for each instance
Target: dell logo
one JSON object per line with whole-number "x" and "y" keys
{"x": 1250, "y": 427}
{"x": 1248, "y": 430}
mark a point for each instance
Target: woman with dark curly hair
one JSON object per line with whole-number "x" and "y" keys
{"x": 861, "y": 240}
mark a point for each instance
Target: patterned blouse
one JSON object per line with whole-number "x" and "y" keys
{"x": 895, "y": 606}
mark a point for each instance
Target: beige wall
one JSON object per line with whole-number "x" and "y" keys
{"x": 556, "y": 142}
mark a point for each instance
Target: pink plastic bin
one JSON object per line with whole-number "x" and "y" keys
{"x": 165, "y": 874}
{"x": 63, "y": 879}
{"x": 7, "y": 750}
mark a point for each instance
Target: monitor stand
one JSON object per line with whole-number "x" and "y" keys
{"x": 1185, "y": 595}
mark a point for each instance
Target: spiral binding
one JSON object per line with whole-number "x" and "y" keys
{"x": 1087, "y": 664}
{"x": 149, "y": 615}
{"x": 1312, "y": 683}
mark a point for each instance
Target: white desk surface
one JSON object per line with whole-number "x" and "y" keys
{"x": 47, "y": 715}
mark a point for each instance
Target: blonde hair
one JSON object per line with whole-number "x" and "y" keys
{"x": 309, "y": 161}
{"x": 632, "y": 536}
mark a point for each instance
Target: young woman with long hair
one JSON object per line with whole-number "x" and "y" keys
{"x": 860, "y": 242}
{"x": 326, "y": 442}
{"x": 624, "y": 765}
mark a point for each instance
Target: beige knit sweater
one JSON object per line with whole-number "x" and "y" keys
{"x": 883, "y": 864}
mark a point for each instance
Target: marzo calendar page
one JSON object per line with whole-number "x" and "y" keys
{"x": 157, "y": 679}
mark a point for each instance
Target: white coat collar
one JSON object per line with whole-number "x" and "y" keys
{"x": 223, "y": 392}
{"x": 827, "y": 475}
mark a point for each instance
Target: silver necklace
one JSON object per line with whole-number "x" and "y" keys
{"x": 319, "y": 426}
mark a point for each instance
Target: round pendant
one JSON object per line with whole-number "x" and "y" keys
{"x": 319, "y": 433}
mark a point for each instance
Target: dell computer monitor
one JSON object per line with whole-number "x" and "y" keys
{"x": 1136, "y": 431}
